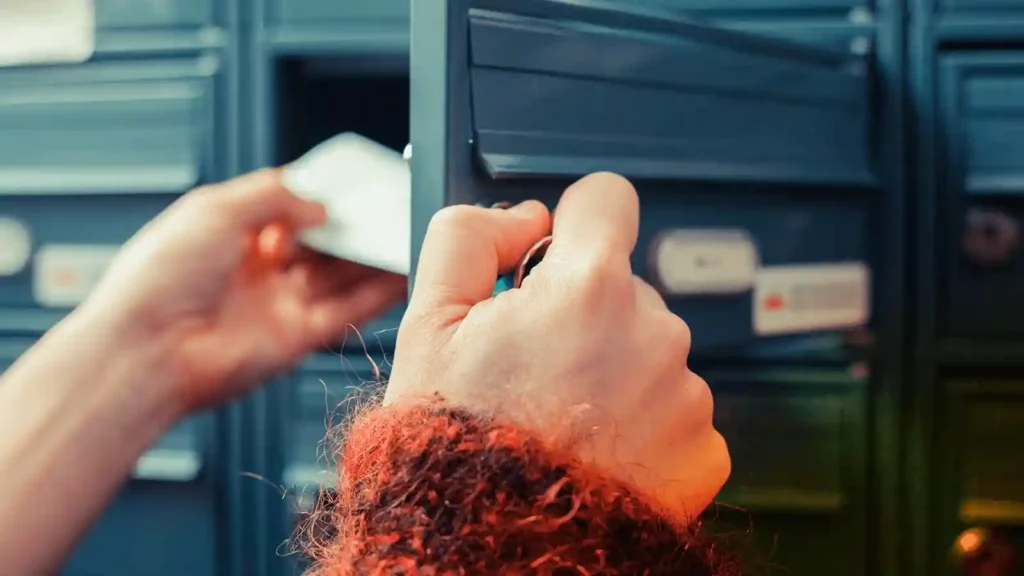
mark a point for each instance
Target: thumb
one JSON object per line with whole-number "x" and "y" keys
{"x": 466, "y": 248}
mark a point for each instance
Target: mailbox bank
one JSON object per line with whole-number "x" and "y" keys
{"x": 874, "y": 145}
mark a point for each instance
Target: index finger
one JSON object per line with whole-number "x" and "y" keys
{"x": 466, "y": 248}
{"x": 597, "y": 218}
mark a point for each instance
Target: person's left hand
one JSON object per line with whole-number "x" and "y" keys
{"x": 197, "y": 280}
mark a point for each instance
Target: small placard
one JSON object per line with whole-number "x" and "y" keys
{"x": 811, "y": 298}
{"x": 695, "y": 262}
{"x": 65, "y": 274}
{"x": 46, "y": 31}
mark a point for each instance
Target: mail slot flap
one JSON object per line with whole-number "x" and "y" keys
{"x": 979, "y": 431}
{"x": 176, "y": 457}
{"x": 106, "y": 132}
{"x": 755, "y": 5}
{"x": 563, "y": 89}
{"x": 984, "y": 103}
{"x": 977, "y": 5}
{"x": 795, "y": 437}
{"x": 319, "y": 10}
{"x": 152, "y": 13}
{"x": 798, "y": 492}
{"x": 156, "y": 529}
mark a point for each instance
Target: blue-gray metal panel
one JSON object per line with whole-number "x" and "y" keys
{"x": 109, "y": 127}
{"x": 989, "y": 124}
{"x": 857, "y": 39}
{"x": 755, "y": 6}
{"x": 112, "y": 14}
{"x": 77, "y": 219}
{"x": 152, "y": 529}
{"x": 981, "y": 95}
{"x": 178, "y": 455}
{"x": 317, "y": 11}
{"x": 978, "y": 5}
{"x": 328, "y": 390}
{"x": 378, "y": 335}
{"x": 691, "y": 101}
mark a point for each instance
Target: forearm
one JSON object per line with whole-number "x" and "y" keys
{"x": 75, "y": 413}
{"x": 431, "y": 490}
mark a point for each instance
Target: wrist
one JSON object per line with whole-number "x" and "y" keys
{"x": 136, "y": 364}
{"x": 76, "y": 412}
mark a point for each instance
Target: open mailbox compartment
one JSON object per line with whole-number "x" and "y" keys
{"x": 721, "y": 131}
{"x": 320, "y": 97}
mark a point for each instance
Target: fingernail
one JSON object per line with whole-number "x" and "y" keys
{"x": 503, "y": 205}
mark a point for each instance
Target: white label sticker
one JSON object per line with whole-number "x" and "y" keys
{"x": 65, "y": 274}
{"x": 695, "y": 262}
{"x": 46, "y": 31}
{"x": 15, "y": 246}
{"x": 812, "y": 297}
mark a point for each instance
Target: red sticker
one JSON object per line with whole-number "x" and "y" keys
{"x": 774, "y": 302}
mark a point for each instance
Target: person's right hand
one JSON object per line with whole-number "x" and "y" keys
{"x": 584, "y": 354}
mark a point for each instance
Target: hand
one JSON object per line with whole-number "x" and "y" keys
{"x": 584, "y": 354}
{"x": 196, "y": 280}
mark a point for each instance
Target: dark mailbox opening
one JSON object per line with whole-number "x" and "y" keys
{"x": 320, "y": 98}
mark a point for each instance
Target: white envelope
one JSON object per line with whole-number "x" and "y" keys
{"x": 367, "y": 190}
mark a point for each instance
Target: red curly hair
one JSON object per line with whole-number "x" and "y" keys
{"x": 433, "y": 491}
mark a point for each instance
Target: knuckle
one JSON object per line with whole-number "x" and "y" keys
{"x": 678, "y": 336}
{"x": 725, "y": 459}
{"x": 646, "y": 293}
{"x": 602, "y": 283}
{"x": 456, "y": 218}
{"x": 700, "y": 402}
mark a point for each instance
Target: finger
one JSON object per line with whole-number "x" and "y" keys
{"x": 328, "y": 318}
{"x": 326, "y": 278}
{"x": 276, "y": 244}
{"x": 467, "y": 247}
{"x": 259, "y": 199}
{"x": 597, "y": 219}
{"x": 647, "y": 296}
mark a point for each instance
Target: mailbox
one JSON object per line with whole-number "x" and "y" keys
{"x": 321, "y": 97}
{"x": 983, "y": 184}
{"x": 116, "y": 14}
{"x": 321, "y": 396}
{"x": 89, "y": 154}
{"x": 753, "y": 156}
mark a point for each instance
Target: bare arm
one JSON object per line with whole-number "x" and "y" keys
{"x": 76, "y": 412}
